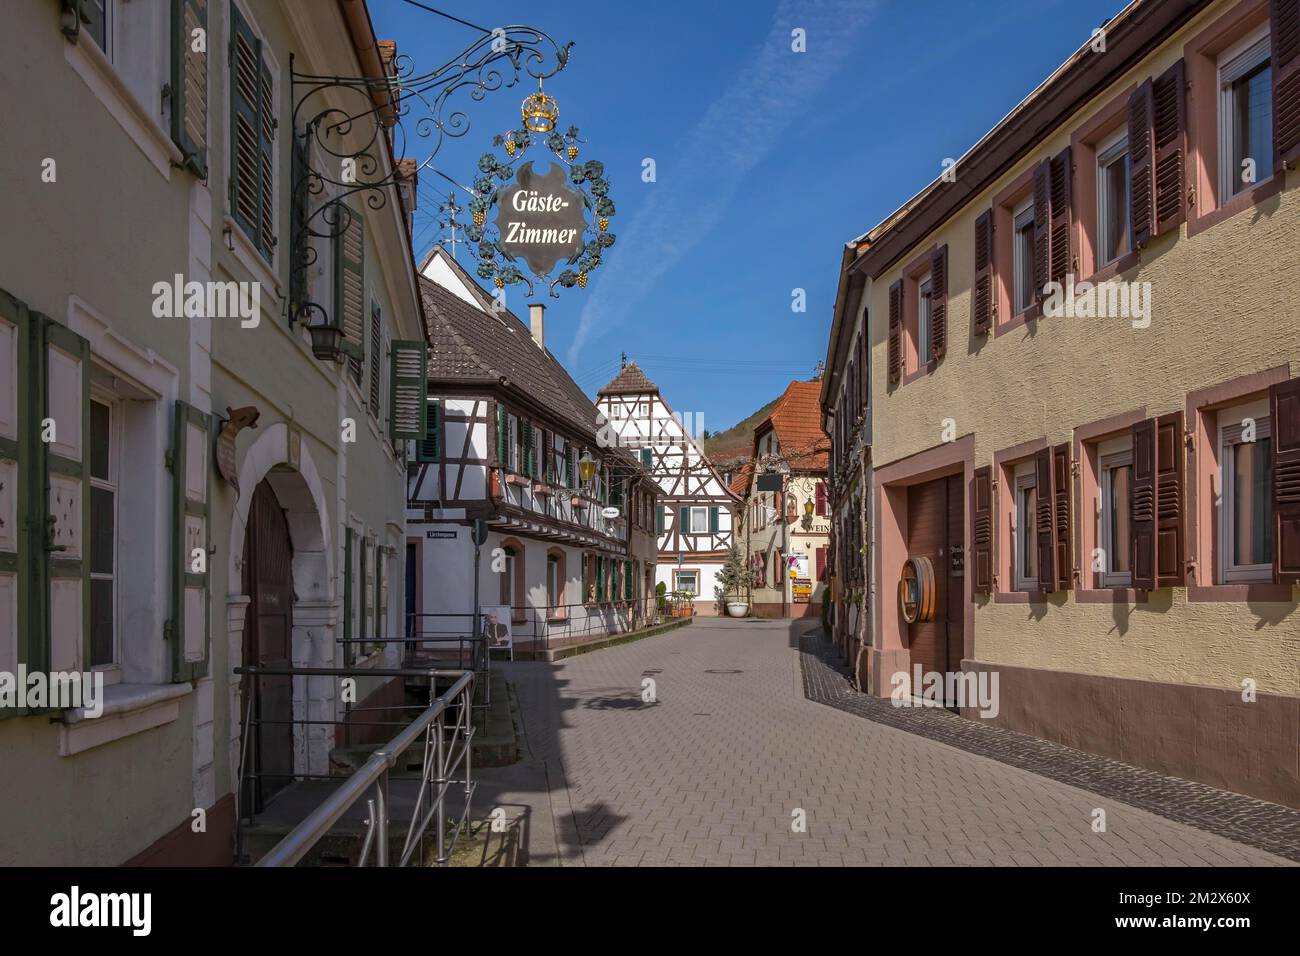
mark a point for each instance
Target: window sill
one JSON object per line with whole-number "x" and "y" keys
{"x": 1263, "y": 592}
{"x": 128, "y": 709}
{"x": 1019, "y": 320}
{"x": 1114, "y": 268}
{"x": 1238, "y": 203}
{"x": 90, "y": 63}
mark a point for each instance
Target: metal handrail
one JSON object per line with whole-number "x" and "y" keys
{"x": 374, "y": 774}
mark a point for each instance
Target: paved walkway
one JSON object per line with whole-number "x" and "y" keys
{"x": 732, "y": 753}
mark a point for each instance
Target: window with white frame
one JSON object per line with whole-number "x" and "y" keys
{"x": 1023, "y": 257}
{"x": 1246, "y": 503}
{"x": 699, "y": 521}
{"x": 924, "y": 303}
{"x": 1115, "y": 476}
{"x": 1245, "y": 115}
{"x": 1025, "y": 530}
{"x": 105, "y": 454}
{"x": 1113, "y": 231}
{"x": 687, "y": 581}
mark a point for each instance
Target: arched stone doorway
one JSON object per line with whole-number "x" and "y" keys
{"x": 278, "y": 463}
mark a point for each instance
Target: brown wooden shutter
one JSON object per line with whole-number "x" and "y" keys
{"x": 1284, "y": 38}
{"x": 1142, "y": 506}
{"x": 1140, "y": 150}
{"x": 864, "y": 376}
{"x": 1169, "y": 112}
{"x": 1284, "y": 404}
{"x": 938, "y": 303}
{"x": 896, "y": 332}
{"x": 1062, "y": 483}
{"x": 1062, "y": 211}
{"x": 1169, "y": 500}
{"x": 1046, "y": 525}
{"x": 982, "y": 286}
{"x": 1042, "y": 227}
{"x": 981, "y": 531}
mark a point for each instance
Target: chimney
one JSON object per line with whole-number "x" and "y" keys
{"x": 536, "y": 319}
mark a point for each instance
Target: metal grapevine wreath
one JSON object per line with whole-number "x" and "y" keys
{"x": 540, "y": 217}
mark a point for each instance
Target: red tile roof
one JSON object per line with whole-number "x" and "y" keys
{"x": 797, "y": 423}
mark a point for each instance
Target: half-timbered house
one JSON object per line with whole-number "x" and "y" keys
{"x": 510, "y": 438}
{"x": 696, "y": 519}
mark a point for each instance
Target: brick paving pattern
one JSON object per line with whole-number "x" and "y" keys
{"x": 1258, "y": 823}
{"x": 712, "y": 772}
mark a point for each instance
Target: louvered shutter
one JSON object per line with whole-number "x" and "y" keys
{"x": 189, "y": 84}
{"x": 896, "y": 332}
{"x": 1062, "y": 212}
{"x": 408, "y": 399}
{"x": 503, "y": 445}
{"x": 1284, "y": 39}
{"x": 245, "y": 126}
{"x": 821, "y": 564}
{"x": 1169, "y": 500}
{"x": 1062, "y": 486}
{"x": 21, "y": 557}
{"x": 349, "y": 649}
{"x": 1141, "y": 149}
{"x": 538, "y": 449}
{"x": 627, "y": 580}
{"x": 428, "y": 449}
{"x": 1142, "y": 506}
{"x": 1042, "y": 227}
{"x": 66, "y": 395}
{"x": 938, "y": 303}
{"x": 349, "y": 290}
{"x": 981, "y": 535}
{"x": 266, "y": 160}
{"x": 982, "y": 286}
{"x": 600, "y": 579}
{"x": 188, "y": 628}
{"x": 1169, "y": 125}
{"x": 1284, "y": 405}
{"x": 820, "y": 498}
{"x": 376, "y": 350}
{"x": 1046, "y": 543}
{"x": 659, "y": 519}
{"x": 713, "y": 520}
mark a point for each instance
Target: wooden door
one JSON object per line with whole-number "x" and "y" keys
{"x": 268, "y": 640}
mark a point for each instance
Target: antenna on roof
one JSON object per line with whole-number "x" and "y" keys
{"x": 819, "y": 371}
{"x": 622, "y": 360}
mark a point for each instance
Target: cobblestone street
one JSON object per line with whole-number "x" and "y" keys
{"x": 714, "y": 771}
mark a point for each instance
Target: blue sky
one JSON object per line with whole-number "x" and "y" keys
{"x": 767, "y": 160}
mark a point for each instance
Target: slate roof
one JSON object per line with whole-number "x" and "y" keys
{"x": 796, "y": 419}
{"x": 630, "y": 380}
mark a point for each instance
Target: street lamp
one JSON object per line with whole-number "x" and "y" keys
{"x": 325, "y": 341}
{"x": 586, "y": 468}
{"x": 808, "y": 508}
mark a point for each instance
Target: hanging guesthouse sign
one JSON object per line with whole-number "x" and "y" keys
{"x": 555, "y": 222}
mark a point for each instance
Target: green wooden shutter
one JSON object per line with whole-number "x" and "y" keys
{"x": 427, "y": 450}
{"x": 349, "y": 290}
{"x": 645, "y": 457}
{"x": 526, "y": 440}
{"x": 627, "y": 580}
{"x": 713, "y": 520}
{"x": 188, "y": 627}
{"x": 380, "y": 603}
{"x": 584, "y": 578}
{"x": 189, "y": 84}
{"x": 408, "y": 398}
{"x": 21, "y": 555}
{"x": 349, "y": 652}
{"x": 363, "y": 620}
{"x": 376, "y": 351}
{"x": 301, "y": 252}
{"x": 502, "y": 437}
{"x": 684, "y": 525}
{"x": 266, "y": 161}
{"x": 245, "y": 126}
{"x": 659, "y": 518}
{"x": 600, "y": 579}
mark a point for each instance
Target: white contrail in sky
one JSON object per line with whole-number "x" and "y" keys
{"x": 736, "y": 132}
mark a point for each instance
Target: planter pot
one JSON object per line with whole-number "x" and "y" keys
{"x": 737, "y": 608}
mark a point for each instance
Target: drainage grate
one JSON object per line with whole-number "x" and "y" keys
{"x": 723, "y": 671}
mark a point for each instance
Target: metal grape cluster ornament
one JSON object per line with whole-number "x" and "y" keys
{"x": 546, "y": 219}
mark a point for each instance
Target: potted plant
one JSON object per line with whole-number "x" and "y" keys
{"x": 733, "y": 578}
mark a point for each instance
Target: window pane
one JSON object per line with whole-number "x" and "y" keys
{"x": 1114, "y": 231}
{"x": 1025, "y": 267}
{"x": 1029, "y": 532}
{"x": 101, "y": 531}
{"x": 97, "y": 28}
{"x": 101, "y": 622}
{"x": 1252, "y": 480}
{"x": 1118, "y": 559}
{"x": 100, "y": 418}
{"x": 1253, "y": 137}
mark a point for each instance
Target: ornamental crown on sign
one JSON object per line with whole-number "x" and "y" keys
{"x": 540, "y": 111}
